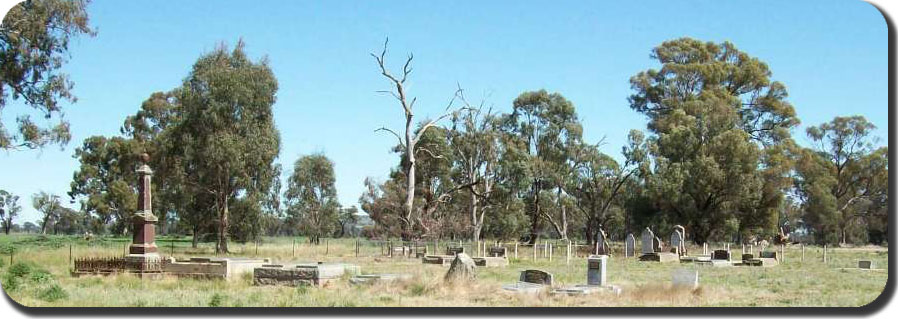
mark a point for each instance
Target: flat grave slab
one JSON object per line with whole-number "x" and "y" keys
{"x": 577, "y": 290}
{"x": 490, "y": 261}
{"x": 660, "y": 257}
{"x": 316, "y": 275}
{"x": 372, "y": 278}
{"x": 212, "y": 267}
{"x": 444, "y": 260}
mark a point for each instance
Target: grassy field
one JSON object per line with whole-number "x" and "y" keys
{"x": 39, "y": 276}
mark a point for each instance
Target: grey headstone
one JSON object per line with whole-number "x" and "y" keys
{"x": 721, "y": 254}
{"x": 647, "y": 241}
{"x": 534, "y": 276}
{"x": 676, "y": 241}
{"x": 596, "y": 267}
{"x": 630, "y": 246}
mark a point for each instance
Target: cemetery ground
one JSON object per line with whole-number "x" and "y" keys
{"x": 39, "y": 275}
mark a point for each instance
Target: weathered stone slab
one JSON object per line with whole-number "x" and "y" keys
{"x": 660, "y": 257}
{"x": 298, "y": 275}
{"x": 498, "y": 252}
{"x": 462, "y": 269}
{"x": 372, "y": 278}
{"x": 444, "y": 260}
{"x": 762, "y": 262}
{"x": 535, "y": 276}
{"x": 720, "y": 254}
{"x": 524, "y": 288}
{"x": 490, "y": 261}
{"x": 211, "y": 267}
{"x": 865, "y": 264}
{"x": 454, "y": 250}
{"x": 770, "y": 254}
{"x": 648, "y": 238}
{"x": 630, "y": 246}
{"x": 578, "y": 290}
{"x": 596, "y": 274}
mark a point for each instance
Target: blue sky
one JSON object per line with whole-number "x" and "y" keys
{"x": 832, "y": 56}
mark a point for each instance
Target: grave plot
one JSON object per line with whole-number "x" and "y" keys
{"x": 765, "y": 259}
{"x": 719, "y": 258}
{"x": 490, "y": 261}
{"x": 652, "y": 249}
{"x": 596, "y": 279}
{"x": 372, "y": 278}
{"x": 444, "y": 260}
{"x": 317, "y": 275}
{"x": 213, "y": 268}
{"x": 531, "y": 281}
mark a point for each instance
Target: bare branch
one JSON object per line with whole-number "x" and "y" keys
{"x": 431, "y": 154}
{"x": 394, "y": 134}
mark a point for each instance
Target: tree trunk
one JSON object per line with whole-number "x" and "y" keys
{"x": 196, "y": 235}
{"x": 223, "y": 228}
{"x": 534, "y": 218}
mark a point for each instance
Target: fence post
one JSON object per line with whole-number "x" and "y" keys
{"x": 172, "y": 244}
{"x": 783, "y": 252}
{"x": 257, "y": 248}
{"x": 567, "y": 259}
{"x": 802, "y": 252}
{"x": 824, "y": 253}
{"x": 550, "y": 250}
{"x": 515, "y": 250}
{"x": 70, "y": 255}
{"x": 293, "y": 250}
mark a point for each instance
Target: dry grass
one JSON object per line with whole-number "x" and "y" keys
{"x": 793, "y": 283}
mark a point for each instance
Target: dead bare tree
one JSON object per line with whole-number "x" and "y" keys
{"x": 409, "y": 142}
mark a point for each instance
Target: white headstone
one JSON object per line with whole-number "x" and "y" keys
{"x": 630, "y": 246}
{"x": 647, "y": 237}
{"x": 685, "y": 278}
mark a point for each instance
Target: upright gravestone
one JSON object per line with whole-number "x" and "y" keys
{"x": 657, "y": 245}
{"x": 676, "y": 242}
{"x": 143, "y": 248}
{"x": 648, "y": 238}
{"x": 595, "y": 270}
{"x": 630, "y": 246}
{"x": 602, "y": 247}
{"x": 681, "y": 244}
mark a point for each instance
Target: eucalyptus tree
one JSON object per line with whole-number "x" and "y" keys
{"x": 540, "y": 134}
{"x": 9, "y": 209}
{"x": 716, "y": 118}
{"x": 223, "y": 133}
{"x": 409, "y": 141}
{"x": 106, "y": 179}
{"x": 49, "y": 206}
{"x": 599, "y": 181}
{"x": 34, "y": 45}
{"x": 311, "y": 197}
{"x": 843, "y": 178}
{"x": 475, "y": 142}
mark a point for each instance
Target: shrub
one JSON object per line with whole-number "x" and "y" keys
{"x": 217, "y": 300}
{"x": 52, "y": 293}
{"x": 19, "y": 270}
{"x": 41, "y": 276}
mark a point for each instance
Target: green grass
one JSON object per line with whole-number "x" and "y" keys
{"x": 39, "y": 276}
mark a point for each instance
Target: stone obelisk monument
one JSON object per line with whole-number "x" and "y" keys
{"x": 143, "y": 248}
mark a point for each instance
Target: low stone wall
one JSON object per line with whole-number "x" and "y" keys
{"x": 299, "y": 275}
{"x": 223, "y": 268}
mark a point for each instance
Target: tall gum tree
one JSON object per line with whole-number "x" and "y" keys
{"x": 539, "y": 137}
{"x": 842, "y": 178}
{"x": 716, "y": 117}
{"x": 224, "y": 133}
{"x": 34, "y": 45}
